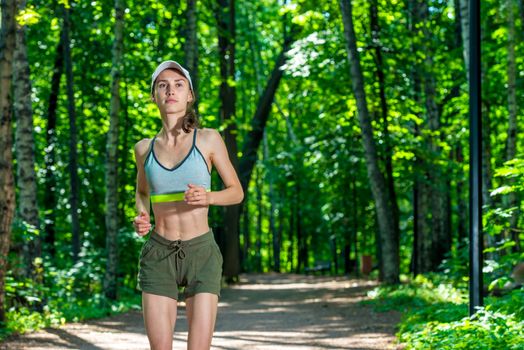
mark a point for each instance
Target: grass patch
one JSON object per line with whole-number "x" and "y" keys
{"x": 435, "y": 316}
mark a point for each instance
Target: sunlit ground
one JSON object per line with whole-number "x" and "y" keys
{"x": 262, "y": 312}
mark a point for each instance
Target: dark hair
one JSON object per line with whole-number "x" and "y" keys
{"x": 190, "y": 120}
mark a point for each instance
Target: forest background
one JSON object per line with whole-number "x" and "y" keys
{"x": 347, "y": 122}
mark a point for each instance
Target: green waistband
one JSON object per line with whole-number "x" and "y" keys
{"x": 168, "y": 197}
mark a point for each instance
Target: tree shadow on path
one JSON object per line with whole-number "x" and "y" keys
{"x": 270, "y": 311}
{"x": 302, "y": 312}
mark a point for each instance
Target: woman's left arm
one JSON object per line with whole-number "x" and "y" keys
{"x": 233, "y": 192}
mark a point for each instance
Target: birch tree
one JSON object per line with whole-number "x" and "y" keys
{"x": 110, "y": 283}
{"x": 389, "y": 242}
{"x": 7, "y": 199}
{"x": 25, "y": 147}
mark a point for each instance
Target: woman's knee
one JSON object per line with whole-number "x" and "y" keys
{"x": 159, "y": 319}
{"x": 202, "y": 315}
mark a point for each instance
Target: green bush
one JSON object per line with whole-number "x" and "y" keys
{"x": 71, "y": 293}
{"x": 435, "y": 316}
{"x": 485, "y": 330}
{"x": 23, "y": 320}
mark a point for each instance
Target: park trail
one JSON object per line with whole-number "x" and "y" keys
{"x": 266, "y": 312}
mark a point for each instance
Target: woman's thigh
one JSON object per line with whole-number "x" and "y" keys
{"x": 159, "y": 319}
{"x": 201, "y": 312}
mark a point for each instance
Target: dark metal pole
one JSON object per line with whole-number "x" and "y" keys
{"x": 475, "y": 161}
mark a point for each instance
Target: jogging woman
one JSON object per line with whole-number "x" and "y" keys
{"x": 174, "y": 173}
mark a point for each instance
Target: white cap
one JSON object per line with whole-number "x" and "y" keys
{"x": 170, "y": 64}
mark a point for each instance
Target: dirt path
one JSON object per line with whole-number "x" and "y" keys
{"x": 266, "y": 312}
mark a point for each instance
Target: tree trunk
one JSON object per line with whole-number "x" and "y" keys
{"x": 258, "y": 123}
{"x": 292, "y": 198}
{"x": 462, "y": 209}
{"x": 191, "y": 44}
{"x": 355, "y": 225}
{"x": 463, "y": 11}
{"x": 441, "y": 241}
{"x": 422, "y": 248}
{"x": 486, "y": 156}
{"x": 7, "y": 199}
{"x": 448, "y": 220}
{"x": 511, "y": 144}
{"x": 73, "y": 153}
{"x": 278, "y": 248}
{"x": 349, "y": 204}
{"x": 301, "y": 236}
{"x": 425, "y": 240}
{"x": 413, "y": 265}
{"x": 126, "y": 144}
{"x": 347, "y": 231}
{"x": 462, "y": 38}
{"x": 375, "y": 32}
{"x": 422, "y": 243}
{"x": 25, "y": 149}
{"x": 292, "y": 231}
{"x": 440, "y": 237}
{"x": 50, "y": 199}
{"x": 272, "y": 207}
{"x": 487, "y": 173}
{"x": 225, "y": 16}
{"x": 389, "y": 242}
{"x": 111, "y": 200}
{"x": 246, "y": 234}
{"x": 260, "y": 211}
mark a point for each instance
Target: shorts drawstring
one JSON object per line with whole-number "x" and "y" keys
{"x": 195, "y": 264}
{"x": 175, "y": 247}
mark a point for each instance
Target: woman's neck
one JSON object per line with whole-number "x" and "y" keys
{"x": 171, "y": 130}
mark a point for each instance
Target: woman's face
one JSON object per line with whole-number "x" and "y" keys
{"x": 172, "y": 92}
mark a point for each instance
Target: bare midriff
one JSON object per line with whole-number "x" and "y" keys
{"x": 178, "y": 220}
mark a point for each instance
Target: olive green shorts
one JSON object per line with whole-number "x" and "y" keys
{"x": 166, "y": 265}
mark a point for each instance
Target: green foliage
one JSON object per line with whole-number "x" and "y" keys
{"x": 498, "y": 269}
{"x": 435, "y": 316}
{"x": 59, "y": 311}
{"x": 72, "y": 294}
{"x": 310, "y": 175}
{"x": 418, "y": 293}
{"x": 311, "y": 172}
{"x": 486, "y": 330}
{"x": 456, "y": 265}
{"x": 24, "y": 320}
{"x": 511, "y": 170}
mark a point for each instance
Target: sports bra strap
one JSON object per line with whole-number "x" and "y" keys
{"x": 194, "y": 137}
{"x": 151, "y": 144}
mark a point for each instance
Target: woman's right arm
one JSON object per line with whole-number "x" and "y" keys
{"x": 142, "y": 221}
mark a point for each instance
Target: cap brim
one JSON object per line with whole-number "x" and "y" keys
{"x": 173, "y": 65}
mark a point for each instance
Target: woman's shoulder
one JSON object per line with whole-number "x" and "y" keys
{"x": 209, "y": 135}
{"x": 142, "y": 147}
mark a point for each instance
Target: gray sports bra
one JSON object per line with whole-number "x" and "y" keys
{"x": 169, "y": 185}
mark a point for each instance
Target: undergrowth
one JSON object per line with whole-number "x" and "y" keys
{"x": 69, "y": 294}
{"x": 435, "y": 316}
